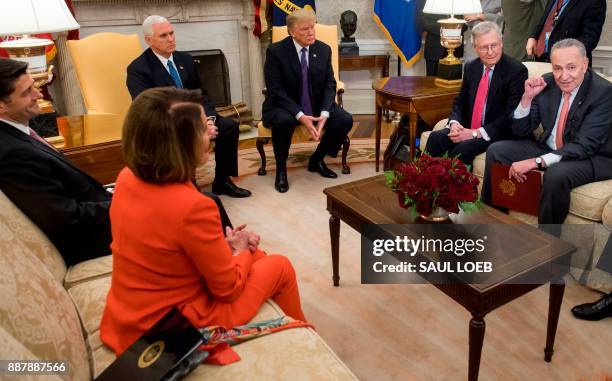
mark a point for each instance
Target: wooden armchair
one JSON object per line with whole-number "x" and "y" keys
{"x": 329, "y": 35}
{"x": 101, "y": 61}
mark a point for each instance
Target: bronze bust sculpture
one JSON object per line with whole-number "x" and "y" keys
{"x": 348, "y": 24}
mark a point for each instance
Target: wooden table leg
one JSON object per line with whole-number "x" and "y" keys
{"x": 413, "y": 130}
{"x": 334, "y": 235}
{"x": 378, "y": 129}
{"x": 477, "y": 332}
{"x": 557, "y": 288}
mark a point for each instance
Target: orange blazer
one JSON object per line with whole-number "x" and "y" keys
{"x": 168, "y": 250}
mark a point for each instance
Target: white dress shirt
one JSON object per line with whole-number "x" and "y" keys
{"x": 521, "y": 112}
{"x": 298, "y": 49}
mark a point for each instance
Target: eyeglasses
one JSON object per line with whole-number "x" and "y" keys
{"x": 493, "y": 47}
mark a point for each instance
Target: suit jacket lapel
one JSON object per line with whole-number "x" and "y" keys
{"x": 476, "y": 74}
{"x": 577, "y": 103}
{"x": 496, "y": 82}
{"x": 34, "y": 143}
{"x": 566, "y": 11}
{"x": 180, "y": 67}
{"x": 549, "y": 110}
{"x": 158, "y": 70}
{"x": 294, "y": 60}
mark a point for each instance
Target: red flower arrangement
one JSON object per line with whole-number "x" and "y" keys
{"x": 430, "y": 182}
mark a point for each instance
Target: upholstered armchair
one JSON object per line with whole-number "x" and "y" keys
{"x": 329, "y": 35}
{"x": 589, "y": 204}
{"x": 100, "y": 62}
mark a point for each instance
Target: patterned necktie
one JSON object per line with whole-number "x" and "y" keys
{"x": 175, "y": 75}
{"x": 562, "y": 120}
{"x": 481, "y": 98}
{"x": 40, "y": 139}
{"x": 305, "y": 97}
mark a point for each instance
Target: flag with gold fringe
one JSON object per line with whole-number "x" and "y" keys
{"x": 282, "y": 8}
{"x": 400, "y": 21}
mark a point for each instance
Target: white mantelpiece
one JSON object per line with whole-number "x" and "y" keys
{"x": 199, "y": 25}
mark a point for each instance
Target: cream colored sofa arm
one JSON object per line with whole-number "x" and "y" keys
{"x": 606, "y": 215}
{"x": 425, "y": 135}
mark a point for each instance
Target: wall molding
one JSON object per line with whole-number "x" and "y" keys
{"x": 602, "y": 60}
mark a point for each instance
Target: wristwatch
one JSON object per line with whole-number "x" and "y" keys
{"x": 538, "y": 161}
{"x": 475, "y": 134}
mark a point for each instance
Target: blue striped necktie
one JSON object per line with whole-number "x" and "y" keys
{"x": 175, "y": 75}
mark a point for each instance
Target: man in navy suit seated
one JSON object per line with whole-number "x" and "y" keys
{"x": 68, "y": 205}
{"x": 161, "y": 65}
{"x": 481, "y": 114}
{"x": 574, "y": 106}
{"x": 301, "y": 89}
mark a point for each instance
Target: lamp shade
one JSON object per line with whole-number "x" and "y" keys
{"x": 35, "y": 16}
{"x": 452, "y": 7}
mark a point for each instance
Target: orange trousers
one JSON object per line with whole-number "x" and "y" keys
{"x": 271, "y": 277}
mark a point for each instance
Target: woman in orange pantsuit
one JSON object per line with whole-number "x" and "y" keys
{"x": 168, "y": 245}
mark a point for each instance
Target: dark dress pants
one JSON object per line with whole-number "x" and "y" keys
{"x": 558, "y": 181}
{"x": 283, "y": 124}
{"x": 226, "y": 145}
{"x": 439, "y": 143}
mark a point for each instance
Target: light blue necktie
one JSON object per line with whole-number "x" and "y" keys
{"x": 175, "y": 75}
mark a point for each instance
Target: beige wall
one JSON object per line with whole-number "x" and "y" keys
{"x": 606, "y": 35}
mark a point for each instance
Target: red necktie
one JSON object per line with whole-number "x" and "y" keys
{"x": 562, "y": 119}
{"x": 39, "y": 138}
{"x": 547, "y": 28}
{"x": 481, "y": 98}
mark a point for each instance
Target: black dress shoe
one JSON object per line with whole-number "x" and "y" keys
{"x": 319, "y": 166}
{"x": 227, "y": 187}
{"x": 595, "y": 311}
{"x": 280, "y": 182}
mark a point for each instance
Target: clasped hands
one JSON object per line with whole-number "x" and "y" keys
{"x": 314, "y": 131}
{"x": 211, "y": 129}
{"x": 458, "y": 133}
{"x": 240, "y": 239}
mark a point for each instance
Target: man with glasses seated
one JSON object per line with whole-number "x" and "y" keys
{"x": 492, "y": 88}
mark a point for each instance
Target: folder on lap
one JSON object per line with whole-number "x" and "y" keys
{"x": 521, "y": 197}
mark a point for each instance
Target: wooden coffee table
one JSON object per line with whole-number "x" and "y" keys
{"x": 369, "y": 201}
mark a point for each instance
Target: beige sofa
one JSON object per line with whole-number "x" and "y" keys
{"x": 50, "y": 312}
{"x": 589, "y": 204}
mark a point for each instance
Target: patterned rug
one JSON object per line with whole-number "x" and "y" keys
{"x": 361, "y": 150}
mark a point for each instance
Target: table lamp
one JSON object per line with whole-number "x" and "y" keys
{"x": 449, "y": 67}
{"x": 25, "y": 17}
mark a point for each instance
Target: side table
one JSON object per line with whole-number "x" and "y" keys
{"x": 416, "y": 96}
{"x": 93, "y": 144}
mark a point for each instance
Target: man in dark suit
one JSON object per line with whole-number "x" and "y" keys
{"x": 481, "y": 114}
{"x": 301, "y": 89}
{"x": 574, "y": 106}
{"x": 579, "y": 19}
{"x": 69, "y": 206}
{"x": 162, "y": 65}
